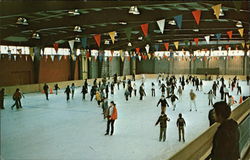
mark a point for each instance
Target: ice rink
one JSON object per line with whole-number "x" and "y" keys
{"x": 57, "y": 130}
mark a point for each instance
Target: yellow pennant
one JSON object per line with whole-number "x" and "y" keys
{"x": 149, "y": 56}
{"x": 216, "y": 9}
{"x": 248, "y": 46}
{"x": 122, "y": 58}
{"x": 241, "y": 31}
{"x": 176, "y": 44}
{"x": 243, "y": 44}
{"x": 89, "y": 58}
{"x": 112, "y": 36}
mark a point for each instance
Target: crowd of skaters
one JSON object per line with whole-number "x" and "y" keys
{"x": 167, "y": 85}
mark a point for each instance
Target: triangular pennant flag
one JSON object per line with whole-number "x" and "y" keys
{"x": 216, "y": 9}
{"x": 128, "y": 33}
{"x": 237, "y": 4}
{"x": 176, "y": 44}
{"x": 218, "y": 36}
{"x": 220, "y": 47}
{"x": 241, "y": 30}
{"x": 157, "y": 46}
{"x": 59, "y": 58}
{"x": 14, "y": 57}
{"x": 207, "y": 38}
{"x": 166, "y": 45}
{"x": 32, "y": 57}
{"x": 178, "y": 20}
{"x": 147, "y": 48}
{"x": 227, "y": 47}
{"x": 197, "y": 16}
{"x": 248, "y": 46}
{"x": 161, "y": 24}
{"x": 186, "y": 42}
{"x": 243, "y": 44}
{"x": 52, "y": 58}
{"x": 65, "y": 57}
{"x": 139, "y": 57}
{"x": 89, "y": 58}
{"x": 84, "y": 42}
{"x": 230, "y": 33}
{"x": 71, "y": 45}
{"x": 149, "y": 56}
{"x": 26, "y": 58}
{"x": 196, "y": 40}
{"x": 112, "y": 36}
{"x": 122, "y": 58}
{"x": 97, "y": 38}
{"x": 110, "y": 58}
{"x": 144, "y": 28}
{"x": 56, "y": 45}
{"x": 137, "y": 50}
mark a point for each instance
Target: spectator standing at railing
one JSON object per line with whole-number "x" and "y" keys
{"x": 226, "y": 138}
{"x": 2, "y": 98}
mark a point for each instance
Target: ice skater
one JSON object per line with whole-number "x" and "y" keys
{"x": 238, "y": 89}
{"x": 92, "y": 93}
{"x": 142, "y": 92}
{"x": 17, "y": 98}
{"x": 84, "y": 91}
{"x": 163, "y": 125}
{"x": 112, "y": 88}
{"x": 153, "y": 89}
{"x": 192, "y": 100}
{"x": 67, "y": 91}
{"x": 98, "y": 97}
{"x": 248, "y": 79}
{"x": 173, "y": 99}
{"x": 2, "y": 98}
{"x": 163, "y": 88}
{"x": 134, "y": 88}
{"x": 56, "y": 88}
{"x": 107, "y": 90}
{"x": 164, "y": 103}
{"x": 211, "y": 96}
{"x": 105, "y": 107}
{"x": 112, "y": 116}
{"x": 46, "y": 91}
{"x": 126, "y": 94}
{"x": 181, "y": 124}
{"x": 179, "y": 91}
{"x": 231, "y": 100}
{"x": 73, "y": 90}
{"x": 214, "y": 87}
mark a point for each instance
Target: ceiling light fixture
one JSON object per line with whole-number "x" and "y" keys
{"x": 172, "y": 22}
{"x": 74, "y": 12}
{"x": 196, "y": 30}
{"x": 239, "y": 24}
{"x": 22, "y": 21}
{"x": 123, "y": 23}
{"x": 140, "y": 38}
{"x": 106, "y": 42}
{"x": 77, "y": 39}
{"x": 129, "y": 44}
{"x": 77, "y": 29}
{"x": 134, "y": 10}
{"x": 35, "y": 36}
{"x": 160, "y": 41}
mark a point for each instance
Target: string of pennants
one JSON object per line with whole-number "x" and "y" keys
{"x": 161, "y": 24}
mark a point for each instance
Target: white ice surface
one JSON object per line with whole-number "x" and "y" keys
{"x": 55, "y": 129}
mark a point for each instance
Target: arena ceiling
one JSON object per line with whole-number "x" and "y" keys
{"x": 54, "y": 24}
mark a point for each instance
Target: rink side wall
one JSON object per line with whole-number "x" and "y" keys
{"x": 201, "y": 147}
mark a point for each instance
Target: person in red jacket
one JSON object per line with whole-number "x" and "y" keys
{"x": 112, "y": 116}
{"x": 17, "y": 98}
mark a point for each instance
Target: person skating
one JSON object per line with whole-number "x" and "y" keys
{"x": 173, "y": 97}
{"x": 73, "y": 89}
{"x": 211, "y": 96}
{"x": 127, "y": 93}
{"x": 226, "y": 138}
{"x": 180, "y": 92}
{"x": 107, "y": 90}
{"x": 141, "y": 92}
{"x": 222, "y": 92}
{"x": 130, "y": 89}
{"x": 46, "y": 91}
{"x": 153, "y": 89}
{"x": 163, "y": 125}
{"x": 201, "y": 85}
{"x": 67, "y": 91}
{"x": 134, "y": 88}
{"x": 17, "y": 98}
{"x": 105, "y": 107}
{"x": 86, "y": 84}
{"x": 56, "y": 88}
{"x": 163, "y": 102}
{"x": 98, "y": 97}
{"x": 192, "y": 100}
{"x": 92, "y": 93}
{"x": 231, "y": 100}
{"x": 163, "y": 88}
{"x": 124, "y": 81}
{"x": 181, "y": 124}
{"x": 112, "y": 116}
{"x": 197, "y": 83}
{"x": 133, "y": 77}
{"x": 183, "y": 84}
{"x": 214, "y": 87}
{"x": 248, "y": 79}
{"x": 2, "y": 98}
{"x": 118, "y": 83}
{"x": 239, "y": 89}
{"x": 226, "y": 92}
{"x": 112, "y": 88}
{"x": 84, "y": 91}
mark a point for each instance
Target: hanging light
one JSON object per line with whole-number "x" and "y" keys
{"x": 134, "y": 10}
{"x": 74, "y": 12}
{"x": 172, "y": 22}
{"x": 22, "y": 21}
{"x": 77, "y": 39}
{"x": 239, "y": 24}
{"x": 129, "y": 44}
{"x": 77, "y": 29}
{"x": 35, "y": 36}
{"x": 106, "y": 42}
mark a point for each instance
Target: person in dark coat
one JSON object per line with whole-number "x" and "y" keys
{"x": 153, "y": 89}
{"x": 163, "y": 88}
{"x": 92, "y": 93}
{"x": 248, "y": 79}
{"x": 226, "y": 138}
{"x": 86, "y": 84}
{"x": 181, "y": 124}
{"x": 2, "y": 98}
{"x": 239, "y": 89}
{"x": 112, "y": 88}
{"x": 222, "y": 92}
{"x": 17, "y": 98}
{"x": 107, "y": 90}
{"x": 46, "y": 91}
{"x": 163, "y": 125}
{"x": 142, "y": 92}
{"x": 56, "y": 88}
{"x": 197, "y": 83}
{"x": 183, "y": 84}
{"x": 67, "y": 91}
{"x": 130, "y": 89}
{"x": 173, "y": 97}
{"x": 84, "y": 91}
{"x": 214, "y": 87}
{"x": 211, "y": 117}
{"x": 163, "y": 102}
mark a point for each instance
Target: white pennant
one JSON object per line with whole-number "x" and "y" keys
{"x": 161, "y": 24}
{"x": 147, "y": 48}
{"x": 71, "y": 44}
{"x": 220, "y": 48}
{"x": 59, "y": 58}
{"x": 26, "y": 58}
{"x": 207, "y": 38}
{"x": 139, "y": 58}
{"x": 14, "y": 57}
{"x": 52, "y": 58}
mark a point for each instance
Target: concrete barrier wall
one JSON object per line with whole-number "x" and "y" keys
{"x": 200, "y": 148}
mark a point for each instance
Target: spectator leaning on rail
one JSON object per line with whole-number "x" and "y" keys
{"x": 226, "y": 138}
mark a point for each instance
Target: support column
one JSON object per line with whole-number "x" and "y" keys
{"x": 36, "y": 64}
{"x": 245, "y": 62}
{"x": 84, "y": 67}
{"x": 132, "y": 66}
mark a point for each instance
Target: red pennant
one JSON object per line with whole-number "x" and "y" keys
{"x": 230, "y": 34}
{"x": 197, "y": 16}
{"x": 56, "y": 45}
{"x": 87, "y": 54}
{"x": 144, "y": 28}
{"x": 227, "y": 46}
{"x": 98, "y": 39}
{"x": 112, "y": 52}
{"x": 110, "y": 58}
{"x": 166, "y": 45}
{"x": 128, "y": 58}
{"x": 137, "y": 50}
{"x": 196, "y": 41}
